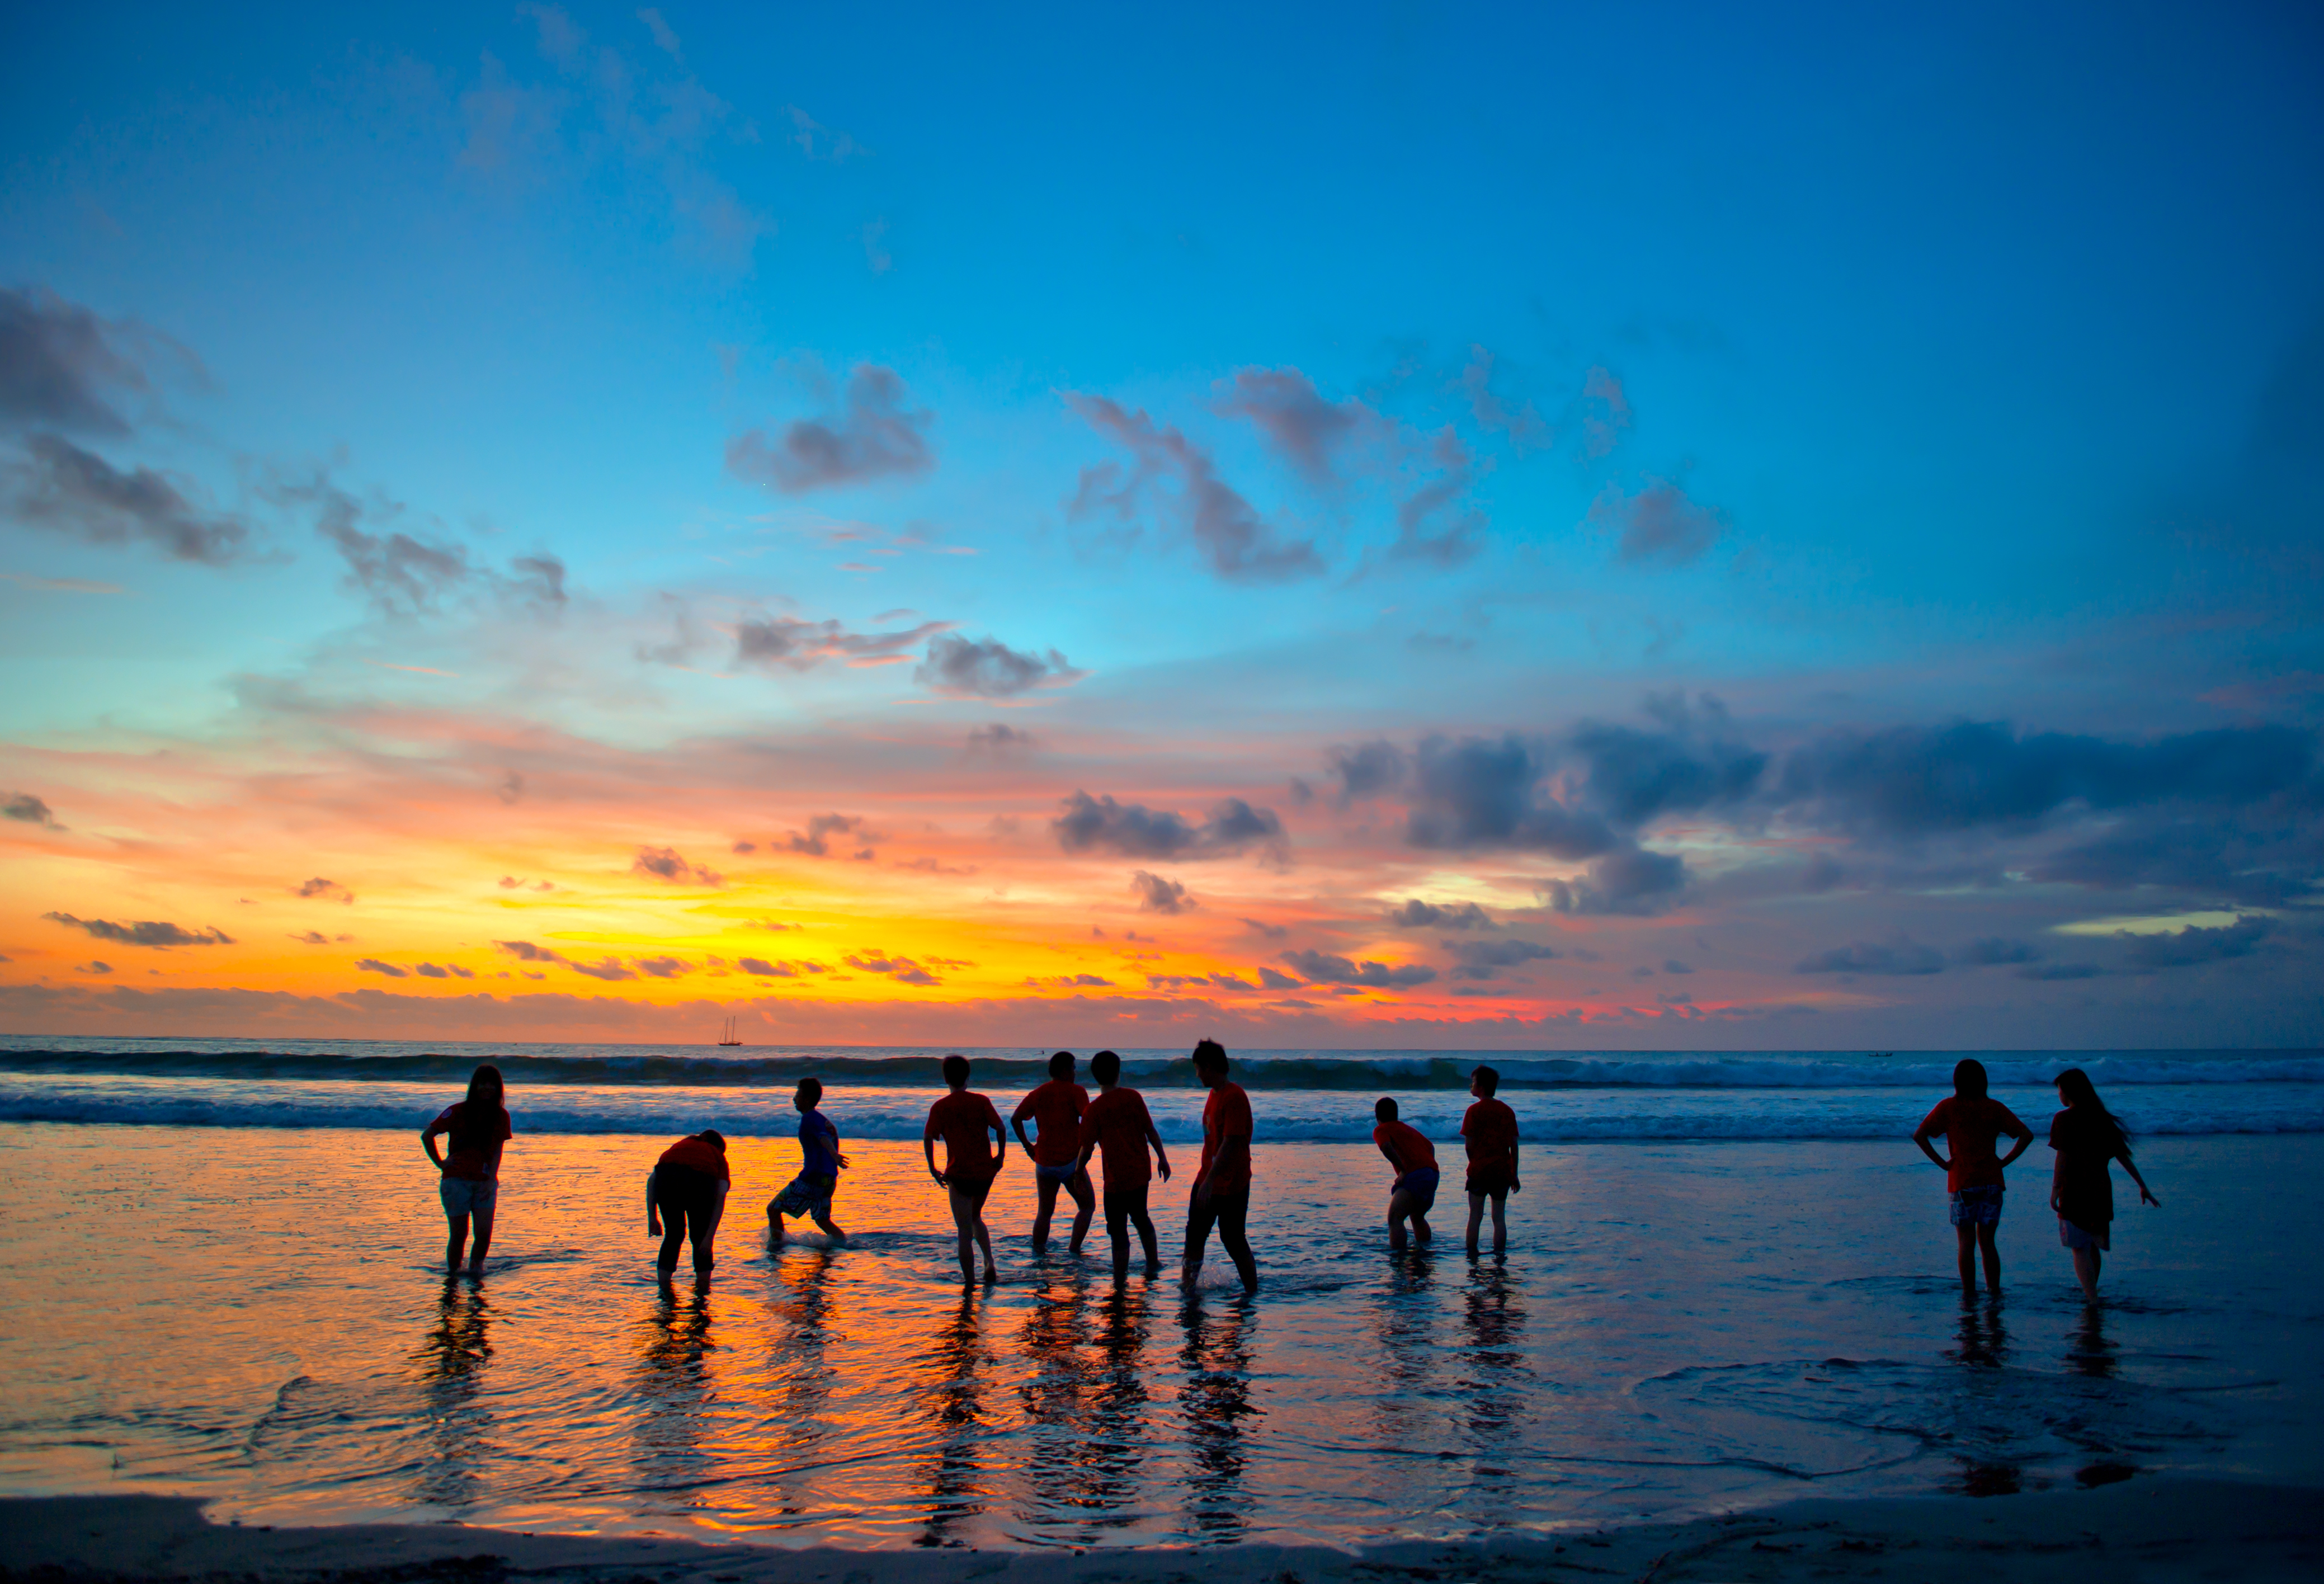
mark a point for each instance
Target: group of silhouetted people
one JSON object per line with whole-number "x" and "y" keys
{"x": 686, "y": 1193}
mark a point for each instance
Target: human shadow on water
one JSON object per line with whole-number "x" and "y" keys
{"x": 1493, "y": 1385}
{"x": 1404, "y": 1323}
{"x": 1116, "y": 1448}
{"x": 2091, "y": 1353}
{"x": 1052, "y": 1336}
{"x": 802, "y": 1311}
{"x": 453, "y": 1359}
{"x": 956, "y": 1490}
{"x": 1987, "y": 1413}
{"x": 671, "y": 1384}
{"x": 1215, "y": 1401}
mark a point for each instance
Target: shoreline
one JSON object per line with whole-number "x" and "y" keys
{"x": 2152, "y": 1529}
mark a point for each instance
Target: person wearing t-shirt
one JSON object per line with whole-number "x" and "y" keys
{"x": 1056, "y": 1108}
{"x": 961, "y": 1119}
{"x": 1221, "y": 1196}
{"x": 1118, "y": 1128}
{"x": 1490, "y": 1130}
{"x": 2088, "y": 1138}
{"x": 688, "y": 1190}
{"x": 468, "y": 1175}
{"x": 820, "y": 1164}
{"x": 1971, "y": 1122}
{"x": 1413, "y": 1192}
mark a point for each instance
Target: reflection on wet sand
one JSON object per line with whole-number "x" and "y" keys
{"x": 1404, "y": 1323}
{"x": 1216, "y": 1400}
{"x": 1989, "y": 1408}
{"x": 671, "y": 1384}
{"x": 453, "y": 1359}
{"x": 2091, "y": 1353}
{"x": 1056, "y": 1479}
{"x": 803, "y": 1318}
{"x": 958, "y": 1492}
{"x": 1493, "y": 1386}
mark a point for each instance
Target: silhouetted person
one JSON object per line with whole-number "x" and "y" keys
{"x": 1972, "y": 1121}
{"x": 1221, "y": 1196}
{"x": 688, "y": 1190}
{"x": 2088, "y": 1138}
{"x": 469, "y": 1174}
{"x": 1118, "y": 1127}
{"x": 1057, "y": 1107}
{"x": 963, "y": 1119}
{"x": 820, "y": 1164}
{"x": 1490, "y": 1130}
{"x": 1413, "y": 1192}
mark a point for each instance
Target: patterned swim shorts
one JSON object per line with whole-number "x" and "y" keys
{"x": 1976, "y": 1207}
{"x": 807, "y": 1195}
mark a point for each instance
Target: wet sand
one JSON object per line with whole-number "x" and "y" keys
{"x": 2146, "y": 1532}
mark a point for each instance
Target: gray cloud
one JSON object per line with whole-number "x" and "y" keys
{"x": 1521, "y": 424}
{"x": 872, "y": 435}
{"x": 902, "y": 970}
{"x": 2061, "y": 971}
{"x": 1260, "y": 927}
{"x": 1269, "y": 979}
{"x": 451, "y": 971}
{"x": 1158, "y": 895}
{"x": 1477, "y": 792}
{"x": 1323, "y": 968}
{"x": 1993, "y": 951}
{"x": 1301, "y": 426}
{"x": 662, "y": 967}
{"x": 1417, "y": 913}
{"x": 1070, "y": 981}
{"x": 1485, "y": 959}
{"x": 24, "y": 805}
{"x": 665, "y": 863}
{"x": 1658, "y": 525}
{"x": 1901, "y": 955}
{"x": 999, "y": 739}
{"x": 988, "y": 668}
{"x": 801, "y": 646}
{"x": 1224, "y": 526}
{"x": 1458, "y": 535}
{"x": 822, "y": 827}
{"x": 57, "y": 359}
{"x": 57, "y": 485}
{"x": 1134, "y": 831}
{"x": 329, "y": 890}
{"x": 373, "y": 966}
{"x": 401, "y": 573}
{"x": 2197, "y": 945}
{"x": 1628, "y": 879}
{"x": 148, "y": 932}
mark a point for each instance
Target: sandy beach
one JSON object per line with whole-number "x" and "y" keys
{"x": 2148, "y": 1532}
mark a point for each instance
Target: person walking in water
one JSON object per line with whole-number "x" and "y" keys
{"x": 1413, "y": 1192}
{"x": 1971, "y": 1122}
{"x": 1056, "y": 1108}
{"x": 1221, "y": 1196}
{"x": 2088, "y": 1138}
{"x": 820, "y": 1164}
{"x": 961, "y": 1119}
{"x": 469, "y": 1174}
{"x": 1490, "y": 1129}
{"x": 1118, "y": 1126}
{"x": 686, "y": 1189}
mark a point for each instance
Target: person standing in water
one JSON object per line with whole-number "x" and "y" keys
{"x": 820, "y": 1164}
{"x": 1413, "y": 1192}
{"x": 1118, "y": 1125}
{"x": 2088, "y": 1138}
{"x": 469, "y": 1174}
{"x": 1971, "y": 1122}
{"x": 1057, "y": 1108}
{"x": 688, "y": 1190}
{"x": 1490, "y": 1129}
{"x": 1221, "y": 1196}
{"x": 961, "y": 1119}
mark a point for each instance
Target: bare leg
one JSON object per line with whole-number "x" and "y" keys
{"x": 457, "y": 1243}
{"x": 984, "y": 1241}
{"x": 1500, "y": 1222}
{"x": 2086, "y": 1270}
{"x": 1992, "y": 1257}
{"x": 830, "y": 1228}
{"x": 1476, "y": 1218}
{"x": 964, "y": 1221}
{"x": 1045, "y": 1191}
{"x": 1399, "y": 1205}
{"x": 1422, "y": 1232}
{"x": 1966, "y": 1235}
{"x": 483, "y": 1222}
{"x": 774, "y": 1221}
{"x": 1085, "y": 1203}
{"x": 1145, "y": 1224}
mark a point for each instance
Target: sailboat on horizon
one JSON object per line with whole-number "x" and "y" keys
{"x": 729, "y": 1036}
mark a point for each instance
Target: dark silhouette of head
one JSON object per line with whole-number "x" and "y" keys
{"x": 714, "y": 1138}
{"x": 1105, "y": 1067}
{"x": 1487, "y": 1081}
{"x": 1061, "y": 1065}
{"x": 956, "y": 1070}
{"x": 1968, "y": 1078}
{"x": 1210, "y": 1056}
{"x": 810, "y": 1095}
{"x": 485, "y": 1086}
{"x": 1384, "y": 1108}
{"x": 2075, "y": 1088}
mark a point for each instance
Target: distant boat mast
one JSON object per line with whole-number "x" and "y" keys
{"x": 728, "y": 1037}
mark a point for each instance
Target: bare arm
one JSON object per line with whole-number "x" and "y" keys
{"x": 653, "y": 1211}
{"x": 718, "y": 1209}
{"x": 2146, "y": 1197}
{"x": 928, "y": 1148}
{"x": 1920, "y": 1138}
{"x": 1229, "y": 1143}
{"x": 1513, "y": 1183}
{"x": 1000, "y": 1148}
{"x": 2025, "y": 1142}
{"x": 1161, "y": 1156}
{"x": 427, "y": 1143}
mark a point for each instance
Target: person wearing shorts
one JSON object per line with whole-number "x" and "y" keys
{"x": 1413, "y": 1192}
{"x": 469, "y": 1175}
{"x": 687, "y": 1190}
{"x": 1056, "y": 1108}
{"x": 961, "y": 1119}
{"x": 1970, "y": 1122}
{"x": 1118, "y": 1127}
{"x": 1221, "y": 1196}
{"x": 820, "y": 1163}
{"x": 1491, "y": 1131}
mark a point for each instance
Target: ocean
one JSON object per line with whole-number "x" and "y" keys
{"x": 1730, "y": 1281}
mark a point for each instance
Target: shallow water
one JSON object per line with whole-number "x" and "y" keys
{"x": 256, "y": 1318}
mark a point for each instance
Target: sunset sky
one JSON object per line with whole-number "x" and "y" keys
{"x": 1585, "y": 527}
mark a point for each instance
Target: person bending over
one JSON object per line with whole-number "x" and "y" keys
{"x": 1057, "y": 1108}
{"x": 1413, "y": 1192}
{"x": 688, "y": 1190}
{"x": 1490, "y": 1129}
{"x": 1118, "y": 1127}
{"x": 1972, "y": 1121}
{"x": 1221, "y": 1196}
{"x": 961, "y": 1119}
{"x": 820, "y": 1164}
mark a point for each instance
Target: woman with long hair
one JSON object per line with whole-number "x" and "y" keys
{"x": 2088, "y": 1138}
{"x": 470, "y": 1172}
{"x": 1972, "y": 1121}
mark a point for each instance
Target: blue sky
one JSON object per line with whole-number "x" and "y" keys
{"x": 1252, "y": 387}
